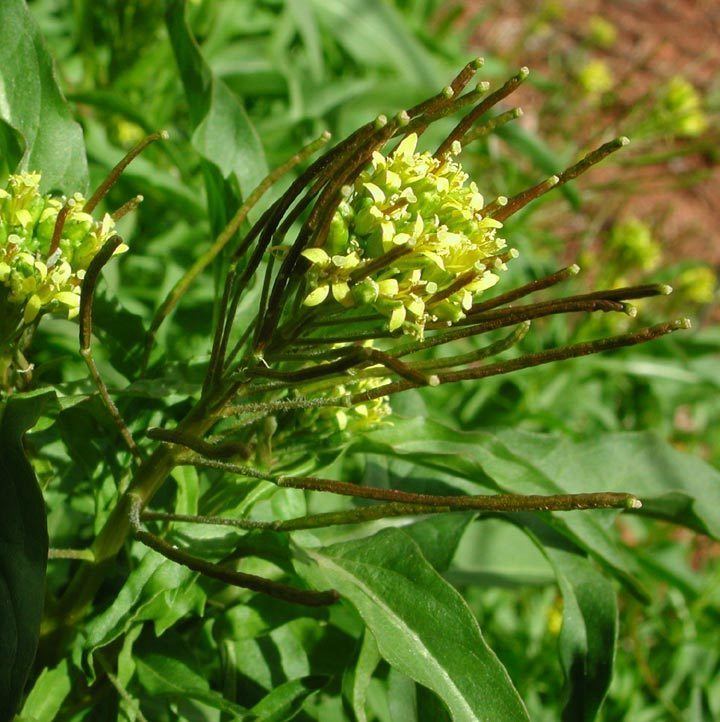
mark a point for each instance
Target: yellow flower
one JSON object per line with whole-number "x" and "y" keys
{"x": 410, "y": 240}
{"x": 595, "y": 78}
{"x": 40, "y": 279}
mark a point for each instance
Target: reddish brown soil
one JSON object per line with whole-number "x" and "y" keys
{"x": 656, "y": 40}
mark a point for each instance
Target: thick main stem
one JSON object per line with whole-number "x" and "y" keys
{"x": 148, "y": 479}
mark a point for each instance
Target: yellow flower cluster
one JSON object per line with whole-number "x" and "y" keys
{"x": 350, "y": 420}
{"x": 595, "y": 78}
{"x": 633, "y": 246}
{"x": 34, "y": 278}
{"x": 679, "y": 109}
{"x": 409, "y": 241}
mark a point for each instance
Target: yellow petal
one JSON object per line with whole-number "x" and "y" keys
{"x": 388, "y": 232}
{"x": 392, "y": 180}
{"x": 490, "y": 223}
{"x": 487, "y": 281}
{"x": 316, "y": 255}
{"x": 407, "y": 146}
{"x": 23, "y": 217}
{"x": 416, "y": 306}
{"x": 375, "y": 191}
{"x": 317, "y": 296}
{"x": 397, "y": 318}
{"x": 389, "y": 287}
{"x": 342, "y": 420}
{"x": 340, "y": 292}
{"x": 32, "y": 308}
{"x": 68, "y": 298}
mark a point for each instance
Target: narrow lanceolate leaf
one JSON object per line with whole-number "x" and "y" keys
{"x": 170, "y": 678}
{"x": 589, "y": 628}
{"x": 356, "y": 683}
{"x": 422, "y": 625}
{"x": 223, "y": 133}
{"x": 37, "y": 130}
{"x": 23, "y": 549}
{"x": 47, "y": 695}
{"x": 286, "y": 700}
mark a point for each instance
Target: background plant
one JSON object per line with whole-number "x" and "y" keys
{"x": 190, "y": 190}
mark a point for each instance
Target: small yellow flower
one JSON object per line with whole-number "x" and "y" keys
{"x": 39, "y": 280}
{"x": 596, "y": 78}
{"x": 416, "y": 223}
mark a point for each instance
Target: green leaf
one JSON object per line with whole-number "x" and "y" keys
{"x": 674, "y": 486}
{"x": 286, "y": 700}
{"x": 402, "y": 697}
{"x": 37, "y": 130}
{"x": 374, "y": 33}
{"x": 486, "y": 459}
{"x": 355, "y": 685}
{"x": 157, "y": 590}
{"x": 23, "y": 548}
{"x": 422, "y": 625}
{"x": 590, "y": 624}
{"x": 438, "y": 537}
{"x": 48, "y": 693}
{"x": 223, "y": 133}
{"x": 163, "y": 676}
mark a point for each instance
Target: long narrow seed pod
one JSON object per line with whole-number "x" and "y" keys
{"x": 127, "y": 207}
{"x": 504, "y": 318}
{"x": 530, "y": 311}
{"x": 480, "y": 131}
{"x": 323, "y": 168}
{"x": 274, "y": 407}
{"x": 116, "y": 172}
{"x": 87, "y": 295}
{"x": 522, "y": 199}
{"x": 264, "y": 231}
{"x": 228, "y": 233}
{"x": 424, "y": 113}
{"x": 312, "y": 372}
{"x": 483, "y": 502}
{"x": 228, "y": 576}
{"x": 403, "y": 370}
{"x": 206, "y": 448}
{"x": 59, "y": 226}
{"x": 459, "y": 131}
{"x": 527, "y": 289}
{"x": 484, "y": 311}
{"x": 535, "y": 359}
{"x": 509, "y": 503}
{"x": 493, "y": 349}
